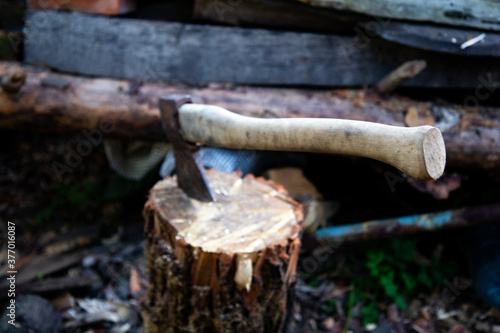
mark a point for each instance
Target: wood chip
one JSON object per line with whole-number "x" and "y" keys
{"x": 414, "y": 117}
{"x": 134, "y": 282}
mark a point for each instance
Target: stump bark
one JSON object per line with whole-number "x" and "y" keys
{"x": 224, "y": 266}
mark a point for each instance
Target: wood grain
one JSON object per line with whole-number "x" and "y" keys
{"x": 197, "y": 54}
{"x": 417, "y": 151}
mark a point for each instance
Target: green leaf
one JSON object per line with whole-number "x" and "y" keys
{"x": 387, "y": 281}
{"x": 314, "y": 283}
{"x": 423, "y": 277}
{"x": 409, "y": 281}
{"x": 370, "y": 314}
{"x": 373, "y": 260}
{"x": 326, "y": 308}
{"x": 400, "y": 302}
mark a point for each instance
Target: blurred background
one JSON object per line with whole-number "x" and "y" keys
{"x": 82, "y": 145}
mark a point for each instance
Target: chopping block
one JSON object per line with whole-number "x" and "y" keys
{"x": 222, "y": 266}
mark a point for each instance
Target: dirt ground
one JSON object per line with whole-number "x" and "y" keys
{"x": 79, "y": 249}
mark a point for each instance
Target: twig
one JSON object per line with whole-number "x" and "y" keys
{"x": 400, "y": 75}
{"x": 349, "y": 314}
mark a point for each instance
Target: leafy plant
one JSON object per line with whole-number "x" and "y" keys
{"x": 370, "y": 314}
{"x": 394, "y": 273}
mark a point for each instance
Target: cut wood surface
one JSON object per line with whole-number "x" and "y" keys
{"x": 463, "y": 13}
{"x": 51, "y": 102}
{"x": 190, "y": 53}
{"x": 222, "y": 266}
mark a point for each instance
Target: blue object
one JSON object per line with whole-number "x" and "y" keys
{"x": 388, "y": 227}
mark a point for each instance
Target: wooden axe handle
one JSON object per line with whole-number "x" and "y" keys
{"x": 417, "y": 151}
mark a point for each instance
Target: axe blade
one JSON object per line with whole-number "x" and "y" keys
{"x": 190, "y": 172}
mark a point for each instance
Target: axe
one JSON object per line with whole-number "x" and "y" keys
{"x": 417, "y": 151}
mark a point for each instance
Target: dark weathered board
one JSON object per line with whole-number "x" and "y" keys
{"x": 136, "y": 49}
{"x": 441, "y": 39}
{"x": 298, "y": 16}
{"x": 276, "y": 14}
{"x": 483, "y": 14}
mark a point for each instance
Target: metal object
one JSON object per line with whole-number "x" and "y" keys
{"x": 411, "y": 224}
{"x": 190, "y": 173}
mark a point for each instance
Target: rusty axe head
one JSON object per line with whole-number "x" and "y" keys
{"x": 190, "y": 173}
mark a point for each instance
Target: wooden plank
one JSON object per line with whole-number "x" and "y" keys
{"x": 483, "y": 14}
{"x": 298, "y": 16}
{"x": 441, "y": 39}
{"x": 275, "y": 14}
{"x": 65, "y": 104}
{"x": 136, "y": 49}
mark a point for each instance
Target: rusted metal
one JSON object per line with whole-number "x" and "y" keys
{"x": 412, "y": 224}
{"x": 189, "y": 169}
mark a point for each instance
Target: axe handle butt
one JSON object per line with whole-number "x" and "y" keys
{"x": 417, "y": 151}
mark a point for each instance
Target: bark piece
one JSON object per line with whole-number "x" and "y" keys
{"x": 223, "y": 266}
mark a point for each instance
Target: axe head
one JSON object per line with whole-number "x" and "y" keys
{"x": 189, "y": 169}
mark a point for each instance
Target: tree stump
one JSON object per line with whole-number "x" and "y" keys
{"x": 223, "y": 266}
